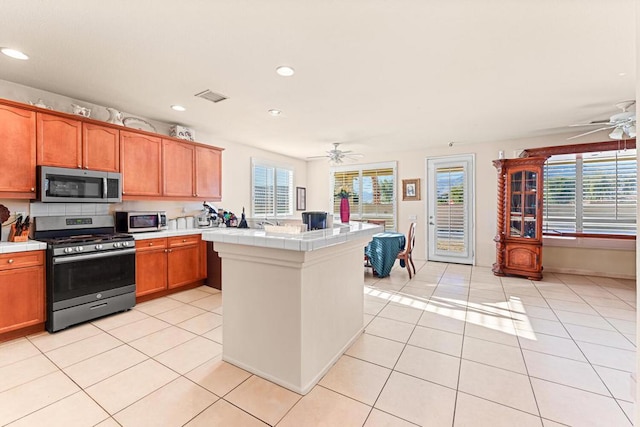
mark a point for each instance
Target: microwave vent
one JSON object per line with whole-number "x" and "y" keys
{"x": 211, "y": 96}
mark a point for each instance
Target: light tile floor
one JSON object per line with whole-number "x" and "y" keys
{"x": 455, "y": 346}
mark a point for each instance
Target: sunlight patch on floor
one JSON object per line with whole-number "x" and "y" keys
{"x": 500, "y": 316}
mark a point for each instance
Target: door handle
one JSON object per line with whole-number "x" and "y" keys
{"x": 431, "y": 223}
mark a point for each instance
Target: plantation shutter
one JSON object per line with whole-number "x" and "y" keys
{"x": 372, "y": 189}
{"x": 591, "y": 193}
{"x": 272, "y": 190}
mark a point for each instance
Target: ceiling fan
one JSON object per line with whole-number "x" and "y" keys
{"x": 337, "y": 156}
{"x": 623, "y": 123}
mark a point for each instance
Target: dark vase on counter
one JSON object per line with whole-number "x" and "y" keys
{"x": 345, "y": 210}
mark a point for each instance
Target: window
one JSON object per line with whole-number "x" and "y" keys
{"x": 373, "y": 189}
{"x": 272, "y": 189}
{"x": 591, "y": 193}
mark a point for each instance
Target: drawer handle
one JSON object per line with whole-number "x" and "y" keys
{"x": 10, "y": 261}
{"x": 184, "y": 240}
{"x": 150, "y": 244}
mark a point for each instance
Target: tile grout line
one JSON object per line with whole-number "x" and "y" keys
{"x": 585, "y": 356}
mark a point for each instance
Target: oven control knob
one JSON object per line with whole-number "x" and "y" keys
{"x": 79, "y": 249}
{"x": 68, "y": 250}
{"x": 125, "y": 243}
{"x": 116, "y": 245}
{"x": 98, "y": 247}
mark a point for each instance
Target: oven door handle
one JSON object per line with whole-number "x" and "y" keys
{"x": 104, "y": 188}
{"x": 73, "y": 258}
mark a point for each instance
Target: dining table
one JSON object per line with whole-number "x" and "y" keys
{"x": 382, "y": 251}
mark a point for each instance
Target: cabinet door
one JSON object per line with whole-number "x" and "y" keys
{"x": 140, "y": 157}
{"x": 178, "y": 167}
{"x": 208, "y": 173}
{"x": 18, "y": 159}
{"x": 522, "y": 257}
{"x": 59, "y": 141}
{"x": 100, "y": 148}
{"x": 22, "y": 298}
{"x": 523, "y": 204}
{"x": 151, "y": 271}
{"x": 184, "y": 265}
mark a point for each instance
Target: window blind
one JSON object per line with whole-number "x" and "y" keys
{"x": 272, "y": 190}
{"x": 373, "y": 192}
{"x": 591, "y": 193}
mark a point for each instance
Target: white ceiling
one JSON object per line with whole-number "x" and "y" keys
{"x": 374, "y": 74}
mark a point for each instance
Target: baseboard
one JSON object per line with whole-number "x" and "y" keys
{"x": 584, "y": 272}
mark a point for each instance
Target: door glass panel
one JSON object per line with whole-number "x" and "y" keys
{"x": 451, "y": 213}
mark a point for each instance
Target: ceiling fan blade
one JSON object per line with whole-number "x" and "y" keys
{"x": 590, "y": 132}
{"x": 595, "y": 123}
{"x": 319, "y": 157}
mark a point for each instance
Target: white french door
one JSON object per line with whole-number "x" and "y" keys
{"x": 450, "y": 209}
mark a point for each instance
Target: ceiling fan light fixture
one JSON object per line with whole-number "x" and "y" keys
{"x": 632, "y": 131}
{"x": 13, "y": 53}
{"x": 617, "y": 133}
{"x": 274, "y": 112}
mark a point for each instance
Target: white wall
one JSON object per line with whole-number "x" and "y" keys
{"x": 411, "y": 164}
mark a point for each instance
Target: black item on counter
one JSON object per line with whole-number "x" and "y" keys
{"x": 315, "y": 220}
{"x": 243, "y": 220}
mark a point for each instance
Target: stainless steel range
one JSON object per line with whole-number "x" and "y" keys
{"x": 91, "y": 269}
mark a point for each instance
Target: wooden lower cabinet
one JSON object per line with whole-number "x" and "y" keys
{"x": 523, "y": 260}
{"x": 22, "y": 290}
{"x": 151, "y": 266}
{"x": 168, "y": 263}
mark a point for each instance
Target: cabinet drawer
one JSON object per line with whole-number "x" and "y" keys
{"x": 21, "y": 260}
{"x": 151, "y": 244}
{"x": 177, "y": 241}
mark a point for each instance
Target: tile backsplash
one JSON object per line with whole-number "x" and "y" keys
{"x": 174, "y": 209}
{"x": 56, "y": 209}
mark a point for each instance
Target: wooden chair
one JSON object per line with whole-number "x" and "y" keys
{"x": 405, "y": 255}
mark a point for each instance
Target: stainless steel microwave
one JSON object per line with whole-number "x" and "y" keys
{"x": 138, "y": 222}
{"x": 66, "y": 185}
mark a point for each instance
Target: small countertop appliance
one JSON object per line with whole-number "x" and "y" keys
{"x": 315, "y": 220}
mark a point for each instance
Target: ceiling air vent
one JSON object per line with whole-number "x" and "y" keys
{"x": 211, "y": 96}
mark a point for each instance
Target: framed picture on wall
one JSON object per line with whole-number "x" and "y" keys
{"x": 301, "y": 198}
{"x": 410, "y": 189}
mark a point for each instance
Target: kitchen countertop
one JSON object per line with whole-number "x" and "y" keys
{"x": 31, "y": 245}
{"x": 170, "y": 233}
{"x": 308, "y": 241}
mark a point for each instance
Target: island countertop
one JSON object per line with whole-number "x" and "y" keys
{"x": 307, "y": 241}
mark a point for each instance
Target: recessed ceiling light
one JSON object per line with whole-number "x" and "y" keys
{"x": 178, "y": 108}
{"x": 622, "y": 74}
{"x": 275, "y": 112}
{"x": 285, "y": 71}
{"x": 16, "y": 54}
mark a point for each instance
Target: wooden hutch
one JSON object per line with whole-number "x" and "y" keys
{"x": 519, "y": 217}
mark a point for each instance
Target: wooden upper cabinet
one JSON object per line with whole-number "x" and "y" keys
{"x": 140, "y": 164}
{"x": 100, "y": 148}
{"x": 18, "y": 159}
{"x": 208, "y": 173}
{"x": 179, "y": 169}
{"x": 59, "y": 141}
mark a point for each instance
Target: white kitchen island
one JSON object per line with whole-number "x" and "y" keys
{"x": 292, "y": 304}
